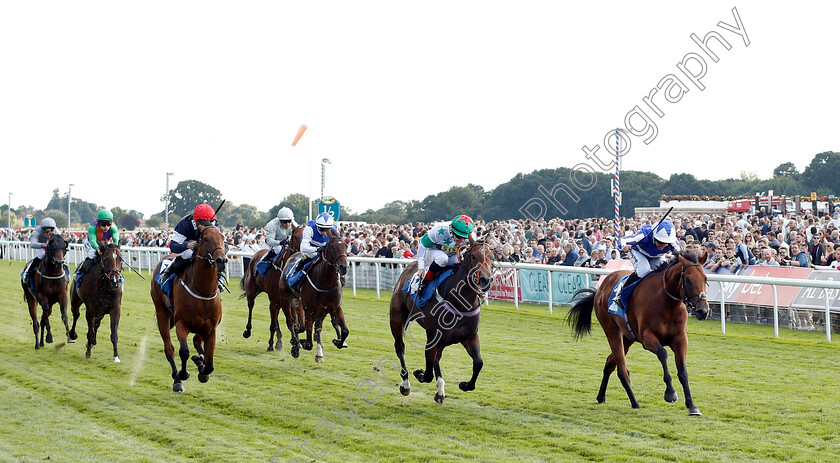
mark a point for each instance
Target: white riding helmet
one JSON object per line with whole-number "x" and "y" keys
{"x": 665, "y": 232}
{"x": 285, "y": 214}
{"x": 324, "y": 220}
{"x": 48, "y": 223}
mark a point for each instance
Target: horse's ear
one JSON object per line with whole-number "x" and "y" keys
{"x": 472, "y": 239}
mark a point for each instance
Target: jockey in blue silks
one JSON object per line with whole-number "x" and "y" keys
{"x": 647, "y": 250}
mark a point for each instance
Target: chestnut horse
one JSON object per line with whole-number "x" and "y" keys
{"x": 319, "y": 294}
{"x": 453, "y": 318}
{"x": 50, "y": 280}
{"x": 656, "y": 317}
{"x": 101, "y": 294}
{"x": 253, "y": 284}
{"x": 196, "y": 307}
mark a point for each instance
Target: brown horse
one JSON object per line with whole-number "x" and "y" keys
{"x": 50, "y": 280}
{"x": 196, "y": 307}
{"x": 453, "y": 318}
{"x": 253, "y": 284}
{"x": 101, "y": 294}
{"x": 656, "y": 317}
{"x": 319, "y": 294}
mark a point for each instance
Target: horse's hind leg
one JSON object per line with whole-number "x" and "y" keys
{"x": 198, "y": 359}
{"x": 274, "y": 327}
{"x": 62, "y": 306}
{"x": 33, "y": 313}
{"x": 75, "y": 303}
{"x": 115, "y": 325}
{"x": 319, "y": 349}
{"x": 473, "y": 348}
{"x": 45, "y": 323}
{"x": 619, "y": 351}
{"x": 250, "y": 295}
{"x": 399, "y": 347}
{"x": 680, "y": 348}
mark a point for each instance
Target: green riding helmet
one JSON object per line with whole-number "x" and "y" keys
{"x": 105, "y": 214}
{"x": 462, "y": 226}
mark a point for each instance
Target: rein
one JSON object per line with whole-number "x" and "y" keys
{"x": 332, "y": 264}
{"x": 209, "y": 260}
{"x": 59, "y": 263}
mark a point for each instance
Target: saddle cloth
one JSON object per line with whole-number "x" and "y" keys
{"x": 422, "y": 299}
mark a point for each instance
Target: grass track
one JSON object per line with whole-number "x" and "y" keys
{"x": 763, "y": 399}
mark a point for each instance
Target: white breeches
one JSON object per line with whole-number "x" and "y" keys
{"x": 441, "y": 258}
{"x": 642, "y": 265}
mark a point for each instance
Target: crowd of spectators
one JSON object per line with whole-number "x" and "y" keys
{"x": 728, "y": 240}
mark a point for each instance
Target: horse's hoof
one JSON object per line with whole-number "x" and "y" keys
{"x": 439, "y": 398}
{"x": 635, "y": 406}
{"x": 183, "y": 375}
{"x": 295, "y": 352}
{"x": 466, "y": 386}
{"x": 246, "y": 334}
{"x": 87, "y": 354}
{"x": 339, "y": 344}
{"x": 178, "y": 387}
{"x": 694, "y": 411}
{"x": 116, "y": 359}
{"x": 270, "y": 348}
{"x": 419, "y": 374}
{"x": 37, "y": 346}
{"x": 405, "y": 390}
{"x": 73, "y": 336}
{"x": 601, "y": 399}
{"x": 671, "y": 397}
{"x": 279, "y": 345}
{"x": 319, "y": 358}
{"x": 203, "y": 378}
{"x": 49, "y": 338}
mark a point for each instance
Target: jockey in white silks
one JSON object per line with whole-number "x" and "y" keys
{"x": 278, "y": 231}
{"x": 647, "y": 249}
{"x": 438, "y": 248}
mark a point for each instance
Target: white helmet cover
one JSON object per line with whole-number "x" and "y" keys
{"x": 48, "y": 223}
{"x": 665, "y": 232}
{"x": 324, "y": 220}
{"x": 285, "y": 214}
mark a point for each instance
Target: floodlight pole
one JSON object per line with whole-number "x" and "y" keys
{"x": 166, "y": 208}
{"x": 69, "y": 202}
{"x": 10, "y": 212}
{"x": 324, "y": 163}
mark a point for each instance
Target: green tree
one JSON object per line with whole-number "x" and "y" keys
{"x": 298, "y": 203}
{"x": 243, "y": 213}
{"x": 189, "y": 194}
{"x": 786, "y": 169}
{"x": 60, "y": 217}
{"x": 154, "y": 222}
{"x": 821, "y": 173}
{"x": 128, "y": 221}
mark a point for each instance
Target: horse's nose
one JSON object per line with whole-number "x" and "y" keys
{"x": 342, "y": 270}
{"x": 702, "y": 310}
{"x": 220, "y": 264}
{"x": 484, "y": 282}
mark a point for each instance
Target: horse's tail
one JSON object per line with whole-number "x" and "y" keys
{"x": 580, "y": 316}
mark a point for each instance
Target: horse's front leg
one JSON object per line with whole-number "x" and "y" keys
{"x": 209, "y": 349}
{"x": 619, "y": 350}
{"x": 184, "y": 350}
{"x": 308, "y": 323}
{"x": 652, "y": 344}
{"x": 45, "y": 322}
{"x": 75, "y": 303}
{"x": 198, "y": 358}
{"x": 93, "y": 322}
{"x": 115, "y": 325}
{"x": 473, "y": 348}
{"x": 680, "y": 348}
{"x": 341, "y": 330}
{"x": 319, "y": 349}
{"x": 62, "y": 306}
{"x": 274, "y": 327}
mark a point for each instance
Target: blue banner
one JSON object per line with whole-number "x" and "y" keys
{"x": 534, "y": 285}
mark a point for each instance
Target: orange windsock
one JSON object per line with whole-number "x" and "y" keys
{"x": 299, "y": 134}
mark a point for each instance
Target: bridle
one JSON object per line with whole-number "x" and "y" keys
{"x": 687, "y": 300}
{"x": 333, "y": 264}
{"x": 50, "y": 252}
{"x": 115, "y": 273}
{"x": 476, "y": 269}
{"x": 209, "y": 254}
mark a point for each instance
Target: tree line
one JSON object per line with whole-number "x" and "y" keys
{"x": 639, "y": 189}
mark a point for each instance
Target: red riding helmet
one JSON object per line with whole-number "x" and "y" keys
{"x": 204, "y": 212}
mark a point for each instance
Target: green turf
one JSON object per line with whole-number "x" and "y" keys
{"x": 763, "y": 399}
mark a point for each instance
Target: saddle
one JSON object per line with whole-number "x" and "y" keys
{"x": 420, "y": 300}
{"x": 262, "y": 265}
{"x": 293, "y": 277}
{"x": 166, "y": 286}
{"x": 621, "y": 307}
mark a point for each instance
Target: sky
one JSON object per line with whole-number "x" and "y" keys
{"x": 406, "y": 99}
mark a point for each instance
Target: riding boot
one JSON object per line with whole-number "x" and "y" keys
{"x": 431, "y": 272}
{"x": 176, "y": 267}
{"x": 34, "y": 266}
{"x": 269, "y": 255}
{"x": 632, "y": 278}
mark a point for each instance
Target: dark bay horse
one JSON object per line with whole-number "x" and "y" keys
{"x": 253, "y": 284}
{"x": 196, "y": 307}
{"x": 101, "y": 294}
{"x": 452, "y": 319}
{"x": 50, "y": 287}
{"x": 319, "y": 294}
{"x": 656, "y": 317}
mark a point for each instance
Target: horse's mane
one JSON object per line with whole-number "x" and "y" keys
{"x": 686, "y": 254}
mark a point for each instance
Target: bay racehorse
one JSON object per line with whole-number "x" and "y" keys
{"x": 656, "y": 317}
{"x": 101, "y": 294}
{"x": 50, "y": 279}
{"x": 451, "y": 318}
{"x": 196, "y": 307}
{"x": 253, "y": 284}
{"x": 319, "y": 294}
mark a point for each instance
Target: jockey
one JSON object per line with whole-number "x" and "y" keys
{"x": 648, "y": 250}
{"x": 438, "y": 248}
{"x": 101, "y": 229}
{"x": 278, "y": 231}
{"x": 185, "y": 239}
{"x": 38, "y": 240}
{"x": 316, "y": 235}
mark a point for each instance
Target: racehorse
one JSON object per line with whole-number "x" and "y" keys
{"x": 656, "y": 317}
{"x": 101, "y": 294}
{"x": 319, "y": 294}
{"x": 50, "y": 280}
{"x": 453, "y": 318}
{"x": 196, "y": 307}
{"x": 253, "y": 284}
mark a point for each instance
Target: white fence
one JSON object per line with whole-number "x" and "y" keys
{"x": 381, "y": 273}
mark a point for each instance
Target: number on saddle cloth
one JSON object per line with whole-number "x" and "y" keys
{"x": 422, "y": 299}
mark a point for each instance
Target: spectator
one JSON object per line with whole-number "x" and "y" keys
{"x": 799, "y": 258}
{"x": 713, "y": 257}
{"x": 571, "y": 255}
{"x": 729, "y": 262}
{"x": 767, "y": 258}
